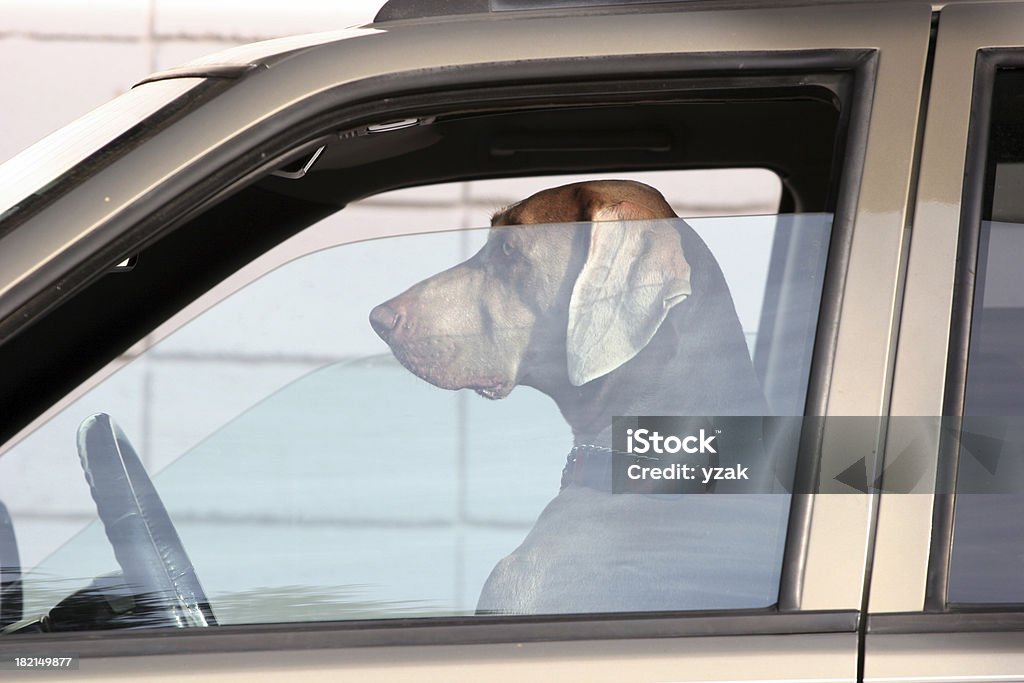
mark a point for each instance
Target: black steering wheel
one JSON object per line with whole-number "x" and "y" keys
{"x": 155, "y": 564}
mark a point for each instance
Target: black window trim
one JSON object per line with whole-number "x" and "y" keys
{"x": 989, "y": 621}
{"x": 263, "y": 147}
{"x": 477, "y": 630}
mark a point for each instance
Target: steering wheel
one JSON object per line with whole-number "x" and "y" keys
{"x": 155, "y": 564}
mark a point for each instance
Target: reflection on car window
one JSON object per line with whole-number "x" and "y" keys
{"x": 315, "y": 445}
{"x": 988, "y": 534}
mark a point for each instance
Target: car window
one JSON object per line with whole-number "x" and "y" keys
{"x": 404, "y": 426}
{"x": 988, "y": 532}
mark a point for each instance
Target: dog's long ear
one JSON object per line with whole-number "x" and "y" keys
{"x": 634, "y": 273}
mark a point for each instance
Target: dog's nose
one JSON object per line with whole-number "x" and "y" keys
{"x": 384, "y": 320}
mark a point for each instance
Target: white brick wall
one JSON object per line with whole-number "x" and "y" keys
{"x": 62, "y": 58}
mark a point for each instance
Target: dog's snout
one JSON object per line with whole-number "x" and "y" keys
{"x": 384, "y": 320}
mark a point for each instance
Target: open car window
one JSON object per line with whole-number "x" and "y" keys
{"x": 319, "y": 461}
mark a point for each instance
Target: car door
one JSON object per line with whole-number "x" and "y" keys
{"x": 945, "y": 599}
{"x": 200, "y": 201}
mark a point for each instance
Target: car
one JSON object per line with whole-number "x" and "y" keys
{"x": 236, "y": 439}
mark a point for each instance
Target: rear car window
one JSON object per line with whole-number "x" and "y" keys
{"x": 987, "y": 556}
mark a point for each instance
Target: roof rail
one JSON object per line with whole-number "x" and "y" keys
{"x": 394, "y": 10}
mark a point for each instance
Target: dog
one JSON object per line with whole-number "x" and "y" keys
{"x": 588, "y": 294}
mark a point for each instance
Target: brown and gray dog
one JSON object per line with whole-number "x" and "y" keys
{"x": 613, "y": 312}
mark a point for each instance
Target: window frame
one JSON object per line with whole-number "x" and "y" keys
{"x": 301, "y": 128}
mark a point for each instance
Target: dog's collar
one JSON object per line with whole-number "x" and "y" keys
{"x": 588, "y": 465}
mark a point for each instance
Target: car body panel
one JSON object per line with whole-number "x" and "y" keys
{"x": 903, "y": 541}
{"x": 676, "y": 659}
{"x": 913, "y": 635}
{"x": 941, "y": 657}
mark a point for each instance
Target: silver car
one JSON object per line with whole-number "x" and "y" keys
{"x": 744, "y": 276}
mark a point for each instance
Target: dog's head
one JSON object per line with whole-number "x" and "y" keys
{"x": 541, "y": 302}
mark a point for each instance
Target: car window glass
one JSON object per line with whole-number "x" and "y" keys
{"x": 988, "y": 533}
{"x": 315, "y": 472}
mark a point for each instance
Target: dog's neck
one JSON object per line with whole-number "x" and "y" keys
{"x": 696, "y": 365}
{"x": 640, "y": 387}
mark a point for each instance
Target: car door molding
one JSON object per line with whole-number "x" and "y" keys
{"x": 949, "y": 622}
{"x": 477, "y": 630}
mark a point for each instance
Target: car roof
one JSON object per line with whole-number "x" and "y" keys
{"x": 395, "y": 15}
{"x": 398, "y": 10}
